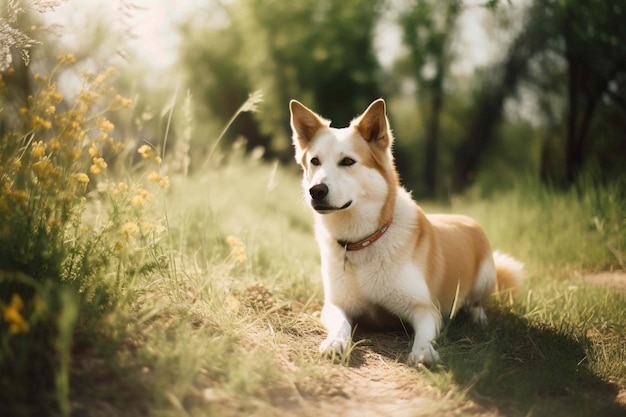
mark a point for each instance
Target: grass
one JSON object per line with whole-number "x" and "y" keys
{"x": 219, "y": 335}
{"x": 201, "y": 295}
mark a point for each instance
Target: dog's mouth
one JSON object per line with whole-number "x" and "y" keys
{"x": 325, "y": 208}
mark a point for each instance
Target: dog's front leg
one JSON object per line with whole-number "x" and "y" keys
{"x": 339, "y": 330}
{"x": 426, "y": 321}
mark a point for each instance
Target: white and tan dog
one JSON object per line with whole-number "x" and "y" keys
{"x": 382, "y": 257}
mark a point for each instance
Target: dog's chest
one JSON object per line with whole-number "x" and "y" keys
{"x": 362, "y": 281}
{"x": 368, "y": 274}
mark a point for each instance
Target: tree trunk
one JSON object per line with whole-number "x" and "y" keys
{"x": 582, "y": 98}
{"x": 491, "y": 100}
{"x": 432, "y": 131}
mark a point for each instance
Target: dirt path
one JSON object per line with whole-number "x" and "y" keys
{"x": 377, "y": 383}
{"x": 614, "y": 279}
{"x": 380, "y": 389}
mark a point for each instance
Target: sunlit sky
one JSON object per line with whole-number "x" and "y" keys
{"x": 151, "y": 25}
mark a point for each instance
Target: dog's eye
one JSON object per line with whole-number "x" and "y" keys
{"x": 346, "y": 162}
{"x": 315, "y": 161}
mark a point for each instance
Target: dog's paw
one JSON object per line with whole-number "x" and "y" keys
{"x": 334, "y": 347}
{"x": 478, "y": 315}
{"x": 423, "y": 355}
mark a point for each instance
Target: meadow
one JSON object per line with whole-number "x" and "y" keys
{"x": 129, "y": 287}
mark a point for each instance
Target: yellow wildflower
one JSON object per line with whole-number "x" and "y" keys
{"x": 80, "y": 177}
{"x": 55, "y": 145}
{"x": 100, "y": 79}
{"x": 116, "y": 147}
{"x": 98, "y": 165}
{"x": 94, "y": 152}
{"x": 141, "y": 197}
{"x": 118, "y": 189}
{"x": 23, "y": 110}
{"x": 56, "y": 97}
{"x": 50, "y": 110}
{"x": 39, "y": 149}
{"x": 122, "y": 101}
{"x": 105, "y": 125}
{"x": 146, "y": 228}
{"x": 129, "y": 230}
{"x": 45, "y": 170}
{"x": 164, "y": 182}
{"x": 146, "y": 151}
{"x": 12, "y": 316}
{"x": 87, "y": 98}
{"x": 154, "y": 177}
{"x": 38, "y": 121}
{"x": 238, "y": 250}
{"x": 66, "y": 58}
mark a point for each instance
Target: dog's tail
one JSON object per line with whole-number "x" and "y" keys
{"x": 509, "y": 273}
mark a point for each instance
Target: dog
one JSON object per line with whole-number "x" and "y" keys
{"x": 382, "y": 257}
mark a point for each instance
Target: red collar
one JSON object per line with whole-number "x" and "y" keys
{"x": 367, "y": 241}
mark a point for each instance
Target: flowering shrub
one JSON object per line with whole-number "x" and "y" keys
{"x": 56, "y": 258}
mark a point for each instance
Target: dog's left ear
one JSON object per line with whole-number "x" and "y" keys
{"x": 373, "y": 125}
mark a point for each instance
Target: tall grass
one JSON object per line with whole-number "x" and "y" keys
{"x": 581, "y": 229}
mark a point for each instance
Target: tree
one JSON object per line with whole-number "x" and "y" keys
{"x": 500, "y": 82}
{"x": 594, "y": 49}
{"x": 428, "y": 27}
{"x": 583, "y": 44}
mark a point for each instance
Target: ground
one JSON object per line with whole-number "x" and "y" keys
{"x": 377, "y": 382}
{"x": 613, "y": 279}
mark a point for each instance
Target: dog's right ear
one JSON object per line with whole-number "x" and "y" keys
{"x": 304, "y": 124}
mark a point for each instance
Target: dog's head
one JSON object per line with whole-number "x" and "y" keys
{"x": 344, "y": 168}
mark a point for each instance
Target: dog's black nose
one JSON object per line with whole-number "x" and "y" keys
{"x": 318, "y": 192}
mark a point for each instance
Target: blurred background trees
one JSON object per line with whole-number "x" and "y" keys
{"x": 545, "y": 100}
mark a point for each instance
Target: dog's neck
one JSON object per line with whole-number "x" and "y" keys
{"x": 362, "y": 244}
{"x": 359, "y": 226}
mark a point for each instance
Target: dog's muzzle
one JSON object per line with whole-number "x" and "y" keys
{"x": 319, "y": 194}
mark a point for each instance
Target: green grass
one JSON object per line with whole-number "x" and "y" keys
{"x": 212, "y": 335}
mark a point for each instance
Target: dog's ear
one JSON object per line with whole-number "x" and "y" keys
{"x": 304, "y": 124}
{"x": 374, "y": 126}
